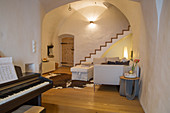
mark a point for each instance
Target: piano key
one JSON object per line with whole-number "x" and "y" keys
{"x": 18, "y": 88}
{"x": 21, "y": 93}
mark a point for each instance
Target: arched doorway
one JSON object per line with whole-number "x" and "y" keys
{"x": 67, "y": 50}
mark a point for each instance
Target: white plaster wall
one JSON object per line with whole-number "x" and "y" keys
{"x": 155, "y": 81}
{"x": 20, "y": 23}
{"x": 50, "y": 28}
{"x": 109, "y": 46}
{"x": 117, "y": 49}
{"x": 132, "y": 11}
{"x": 52, "y": 4}
{"x": 86, "y": 38}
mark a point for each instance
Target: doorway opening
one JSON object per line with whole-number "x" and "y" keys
{"x": 67, "y": 51}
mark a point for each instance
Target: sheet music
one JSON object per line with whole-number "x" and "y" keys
{"x": 7, "y": 70}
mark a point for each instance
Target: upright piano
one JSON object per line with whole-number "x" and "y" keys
{"x": 25, "y": 90}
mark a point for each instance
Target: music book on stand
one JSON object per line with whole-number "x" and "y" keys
{"x": 7, "y": 70}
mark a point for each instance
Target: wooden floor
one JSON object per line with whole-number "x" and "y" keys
{"x": 105, "y": 99}
{"x": 61, "y": 70}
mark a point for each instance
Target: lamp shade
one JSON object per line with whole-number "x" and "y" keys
{"x": 125, "y": 52}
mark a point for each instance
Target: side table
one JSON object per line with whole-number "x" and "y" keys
{"x": 129, "y": 87}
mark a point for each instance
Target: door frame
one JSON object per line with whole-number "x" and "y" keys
{"x": 60, "y": 46}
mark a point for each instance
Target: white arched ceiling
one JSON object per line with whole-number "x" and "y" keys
{"x": 62, "y": 21}
{"x": 131, "y": 9}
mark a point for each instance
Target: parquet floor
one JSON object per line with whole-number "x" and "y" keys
{"x": 105, "y": 99}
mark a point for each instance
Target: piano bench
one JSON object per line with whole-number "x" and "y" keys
{"x": 30, "y": 109}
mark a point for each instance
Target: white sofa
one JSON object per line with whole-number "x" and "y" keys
{"x": 107, "y": 73}
{"x": 101, "y": 73}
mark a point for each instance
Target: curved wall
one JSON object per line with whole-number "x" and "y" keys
{"x": 87, "y": 38}
{"x": 155, "y": 82}
{"x": 51, "y": 23}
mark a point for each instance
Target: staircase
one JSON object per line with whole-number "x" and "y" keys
{"x": 103, "y": 48}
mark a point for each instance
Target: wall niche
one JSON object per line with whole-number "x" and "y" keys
{"x": 50, "y": 51}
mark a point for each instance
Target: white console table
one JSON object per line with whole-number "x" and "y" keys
{"x": 48, "y": 66}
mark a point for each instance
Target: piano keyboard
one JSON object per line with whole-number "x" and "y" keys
{"x": 21, "y": 93}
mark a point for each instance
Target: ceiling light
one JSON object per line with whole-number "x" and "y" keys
{"x": 69, "y": 8}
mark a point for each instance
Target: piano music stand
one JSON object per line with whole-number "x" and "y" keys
{"x": 18, "y": 71}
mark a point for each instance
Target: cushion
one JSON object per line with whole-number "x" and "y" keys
{"x": 99, "y": 60}
{"x": 86, "y": 63}
{"x": 119, "y": 63}
{"x": 123, "y": 60}
{"x": 110, "y": 62}
{"x": 112, "y": 59}
{"x": 122, "y": 63}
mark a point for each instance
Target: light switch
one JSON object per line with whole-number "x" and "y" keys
{"x": 33, "y": 46}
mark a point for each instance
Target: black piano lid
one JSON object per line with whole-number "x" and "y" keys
{"x": 20, "y": 79}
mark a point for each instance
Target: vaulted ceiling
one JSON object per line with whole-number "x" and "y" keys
{"x": 49, "y": 5}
